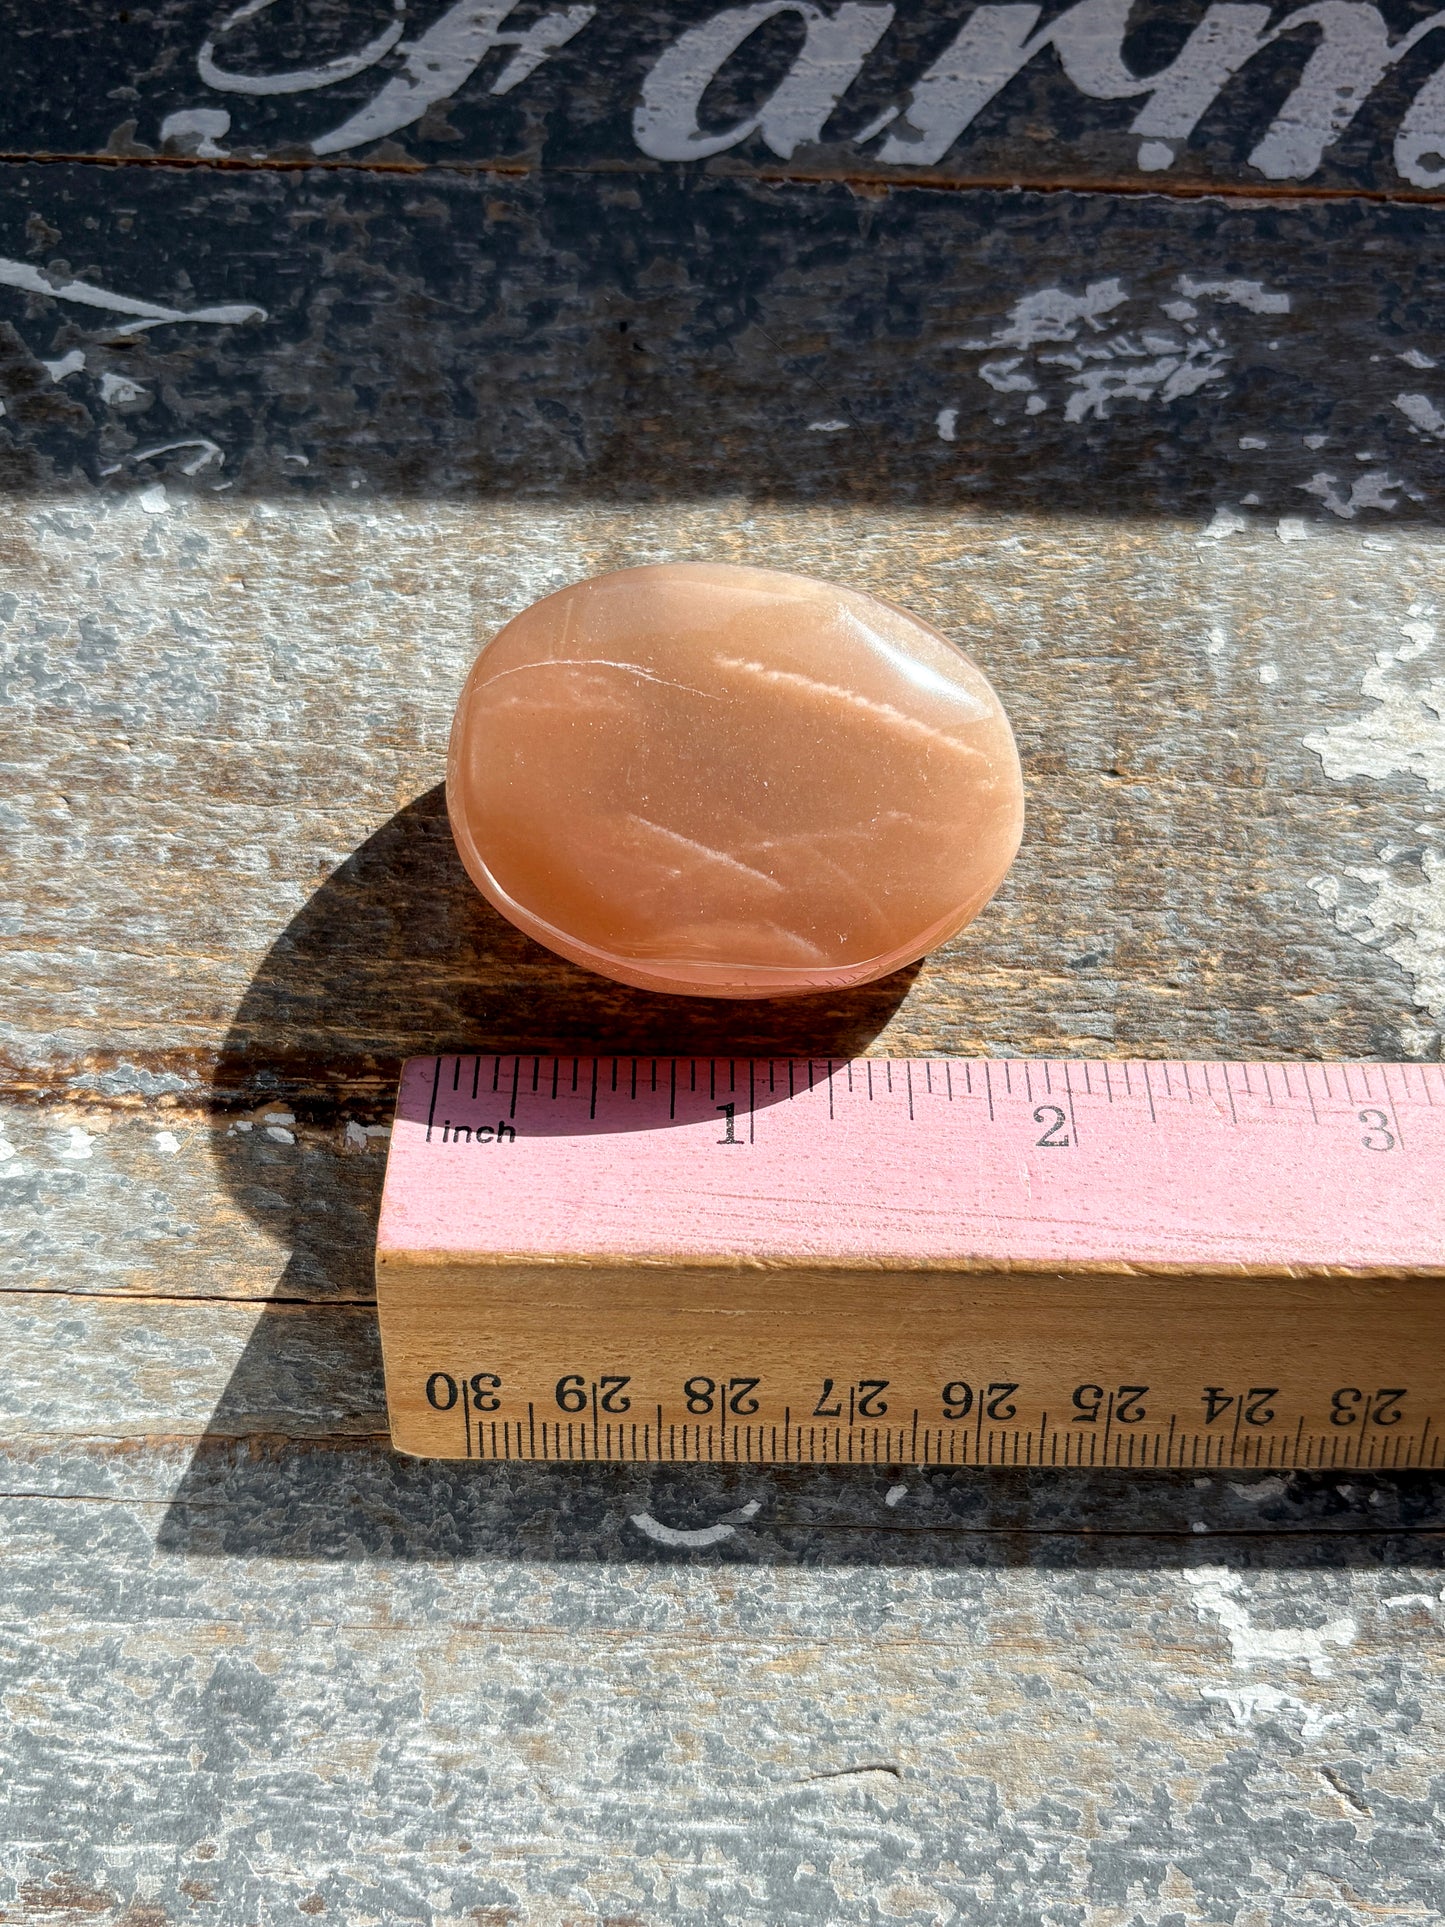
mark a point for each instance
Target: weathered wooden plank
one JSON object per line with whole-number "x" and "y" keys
{"x": 213, "y": 903}
{"x": 154, "y": 890}
{"x": 182, "y": 1755}
{"x": 256, "y": 1662}
{"x": 908, "y": 1691}
{"x": 692, "y": 337}
{"x": 1106, "y": 91}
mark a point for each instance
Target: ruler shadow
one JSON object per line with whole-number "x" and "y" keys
{"x": 250, "y": 1494}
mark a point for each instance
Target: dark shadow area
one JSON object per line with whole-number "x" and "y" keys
{"x": 398, "y": 955}
{"x": 606, "y": 1095}
{"x": 676, "y": 333}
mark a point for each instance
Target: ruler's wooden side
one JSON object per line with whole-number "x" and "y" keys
{"x": 827, "y": 1365}
{"x": 1015, "y": 1263}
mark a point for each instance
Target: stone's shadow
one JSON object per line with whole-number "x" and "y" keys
{"x": 398, "y": 955}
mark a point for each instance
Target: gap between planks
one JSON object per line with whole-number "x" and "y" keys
{"x": 864, "y": 181}
{"x": 1271, "y": 1530}
{"x": 17, "y": 1294}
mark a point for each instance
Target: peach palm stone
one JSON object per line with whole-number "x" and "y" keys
{"x": 731, "y": 782}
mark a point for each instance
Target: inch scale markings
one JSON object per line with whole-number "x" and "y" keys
{"x": 926, "y": 1261}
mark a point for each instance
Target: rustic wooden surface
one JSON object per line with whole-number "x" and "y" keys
{"x": 1170, "y": 466}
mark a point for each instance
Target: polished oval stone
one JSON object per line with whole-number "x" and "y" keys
{"x": 731, "y": 782}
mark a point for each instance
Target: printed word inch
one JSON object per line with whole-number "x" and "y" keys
{"x": 919, "y": 1261}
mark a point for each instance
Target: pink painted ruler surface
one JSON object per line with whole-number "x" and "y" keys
{"x": 1007, "y": 1162}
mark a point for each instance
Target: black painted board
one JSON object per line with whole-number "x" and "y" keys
{"x": 666, "y": 338}
{"x": 1176, "y": 93}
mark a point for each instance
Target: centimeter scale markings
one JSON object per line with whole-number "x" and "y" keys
{"x": 916, "y": 1261}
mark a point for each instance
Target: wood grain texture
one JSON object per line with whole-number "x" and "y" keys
{"x": 253, "y": 909}
{"x": 254, "y": 1664}
{"x": 296, "y": 1666}
{"x": 686, "y": 337}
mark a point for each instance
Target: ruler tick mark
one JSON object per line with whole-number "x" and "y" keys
{"x": 435, "y": 1087}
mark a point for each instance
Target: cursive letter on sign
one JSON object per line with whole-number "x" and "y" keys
{"x": 444, "y": 59}
{"x": 1352, "y": 54}
{"x": 300, "y": 80}
{"x": 665, "y": 124}
{"x": 996, "y": 43}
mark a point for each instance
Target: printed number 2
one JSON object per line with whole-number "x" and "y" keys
{"x": 1053, "y": 1116}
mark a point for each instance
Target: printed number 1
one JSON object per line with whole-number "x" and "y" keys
{"x": 730, "y": 1124}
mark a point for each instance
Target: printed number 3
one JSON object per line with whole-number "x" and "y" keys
{"x": 1378, "y": 1137}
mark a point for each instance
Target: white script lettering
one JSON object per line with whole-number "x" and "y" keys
{"x": 439, "y": 64}
{"x": 665, "y": 124}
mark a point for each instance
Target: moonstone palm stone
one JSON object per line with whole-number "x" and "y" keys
{"x": 731, "y": 782}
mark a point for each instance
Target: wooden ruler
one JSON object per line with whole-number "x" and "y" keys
{"x": 917, "y": 1261}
